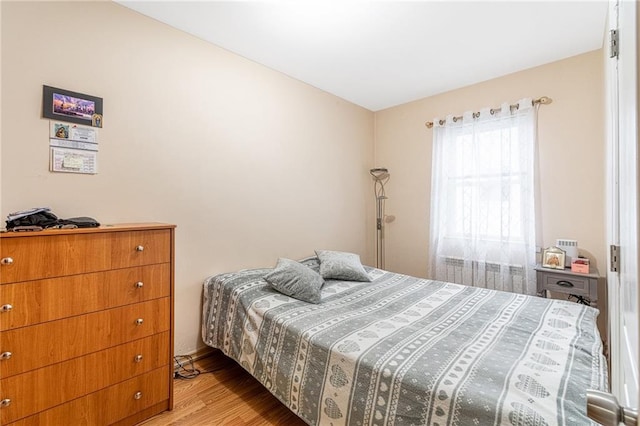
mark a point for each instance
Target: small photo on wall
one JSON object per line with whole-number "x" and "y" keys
{"x": 61, "y": 131}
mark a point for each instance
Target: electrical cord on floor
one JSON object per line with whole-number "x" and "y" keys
{"x": 186, "y": 368}
{"x": 580, "y": 299}
{"x": 183, "y": 371}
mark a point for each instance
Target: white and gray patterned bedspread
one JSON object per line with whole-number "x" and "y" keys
{"x": 408, "y": 351}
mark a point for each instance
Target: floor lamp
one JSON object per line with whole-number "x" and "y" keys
{"x": 380, "y": 177}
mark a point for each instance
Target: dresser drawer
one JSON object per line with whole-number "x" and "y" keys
{"x": 135, "y": 395}
{"x": 34, "y": 302}
{"x": 51, "y": 342}
{"x": 44, "y": 388}
{"x": 47, "y": 256}
{"x": 53, "y": 255}
{"x": 79, "y": 412}
{"x": 109, "y": 405}
{"x": 38, "y": 390}
{"x": 137, "y": 248}
{"x": 128, "y": 360}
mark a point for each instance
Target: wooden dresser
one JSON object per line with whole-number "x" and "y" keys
{"x": 86, "y": 325}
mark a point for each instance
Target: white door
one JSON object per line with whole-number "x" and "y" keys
{"x": 628, "y": 202}
{"x": 623, "y": 204}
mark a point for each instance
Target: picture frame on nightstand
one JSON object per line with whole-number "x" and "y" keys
{"x": 553, "y": 258}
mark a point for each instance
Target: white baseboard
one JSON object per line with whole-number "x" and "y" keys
{"x": 195, "y": 355}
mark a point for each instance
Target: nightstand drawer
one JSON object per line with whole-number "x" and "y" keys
{"x": 565, "y": 284}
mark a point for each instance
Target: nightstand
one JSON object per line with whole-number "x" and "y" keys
{"x": 567, "y": 282}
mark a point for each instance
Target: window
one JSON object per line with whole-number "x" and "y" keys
{"x": 480, "y": 178}
{"x": 482, "y": 204}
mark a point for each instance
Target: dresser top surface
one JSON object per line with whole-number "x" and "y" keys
{"x": 103, "y": 228}
{"x": 593, "y": 271}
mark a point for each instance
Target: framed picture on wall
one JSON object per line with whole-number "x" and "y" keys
{"x": 74, "y": 107}
{"x": 553, "y": 258}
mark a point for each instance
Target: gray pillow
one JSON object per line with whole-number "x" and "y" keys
{"x": 312, "y": 262}
{"x": 296, "y": 280}
{"x": 337, "y": 265}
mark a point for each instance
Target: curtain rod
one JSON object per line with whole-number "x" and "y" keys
{"x": 544, "y": 100}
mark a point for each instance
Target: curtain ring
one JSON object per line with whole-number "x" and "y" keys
{"x": 492, "y": 111}
{"x": 441, "y": 122}
{"x": 455, "y": 119}
{"x": 476, "y": 114}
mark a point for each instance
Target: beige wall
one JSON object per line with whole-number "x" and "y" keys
{"x": 571, "y": 157}
{"x": 249, "y": 163}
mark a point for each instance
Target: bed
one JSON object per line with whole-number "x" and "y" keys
{"x": 401, "y": 350}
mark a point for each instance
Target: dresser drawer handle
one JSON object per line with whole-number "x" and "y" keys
{"x": 6, "y": 308}
{"x": 139, "y": 248}
{"x": 137, "y": 358}
{"x": 139, "y": 284}
{"x": 137, "y": 395}
{"x": 564, "y": 283}
{"x": 5, "y": 355}
{"x": 139, "y": 321}
{"x": 5, "y": 402}
{"x": 7, "y": 260}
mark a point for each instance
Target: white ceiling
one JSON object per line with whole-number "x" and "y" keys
{"x": 378, "y": 54}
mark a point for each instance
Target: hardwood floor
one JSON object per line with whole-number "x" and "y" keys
{"x": 228, "y": 396}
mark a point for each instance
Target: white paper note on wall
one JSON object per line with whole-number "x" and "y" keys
{"x": 62, "y": 143}
{"x": 73, "y": 161}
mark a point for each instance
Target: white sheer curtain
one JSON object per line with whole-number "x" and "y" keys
{"x": 482, "y": 199}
